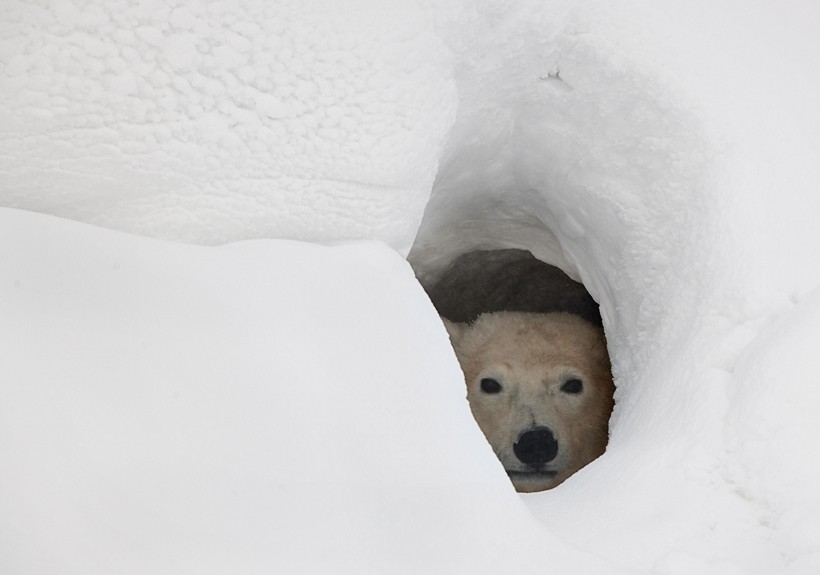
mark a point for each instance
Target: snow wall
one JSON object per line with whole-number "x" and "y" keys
{"x": 270, "y": 404}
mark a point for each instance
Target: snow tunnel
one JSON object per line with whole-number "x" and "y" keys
{"x": 640, "y": 173}
{"x": 607, "y": 183}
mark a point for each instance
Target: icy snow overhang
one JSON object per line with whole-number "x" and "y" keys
{"x": 214, "y": 122}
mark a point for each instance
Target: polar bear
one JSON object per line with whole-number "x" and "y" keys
{"x": 540, "y": 387}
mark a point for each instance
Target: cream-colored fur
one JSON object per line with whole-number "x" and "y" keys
{"x": 532, "y": 356}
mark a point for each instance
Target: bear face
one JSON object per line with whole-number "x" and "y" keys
{"x": 540, "y": 387}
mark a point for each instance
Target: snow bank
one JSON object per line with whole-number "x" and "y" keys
{"x": 664, "y": 153}
{"x": 178, "y": 409}
{"x": 212, "y": 122}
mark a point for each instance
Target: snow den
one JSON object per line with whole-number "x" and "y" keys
{"x": 218, "y": 358}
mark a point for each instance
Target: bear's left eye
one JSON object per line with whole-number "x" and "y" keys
{"x": 573, "y": 386}
{"x": 490, "y": 385}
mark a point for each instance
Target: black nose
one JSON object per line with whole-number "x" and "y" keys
{"x": 536, "y": 446}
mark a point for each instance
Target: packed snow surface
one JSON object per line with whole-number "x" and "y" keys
{"x": 271, "y": 405}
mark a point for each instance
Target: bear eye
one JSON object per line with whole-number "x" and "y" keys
{"x": 490, "y": 385}
{"x": 573, "y": 386}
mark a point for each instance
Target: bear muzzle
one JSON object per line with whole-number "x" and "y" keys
{"x": 536, "y": 449}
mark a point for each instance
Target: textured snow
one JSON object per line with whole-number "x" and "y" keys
{"x": 219, "y": 121}
{"x": 667, "y": 154}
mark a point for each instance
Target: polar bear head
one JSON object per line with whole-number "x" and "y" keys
{"x": 540, "y": 388}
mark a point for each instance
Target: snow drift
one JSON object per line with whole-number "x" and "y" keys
{"x": 664, "y": 154}
{"x": 179, "y": 409}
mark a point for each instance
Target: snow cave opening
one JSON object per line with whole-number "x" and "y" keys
{"x": 498, "y": 229}
{"x": 592, "y": 165}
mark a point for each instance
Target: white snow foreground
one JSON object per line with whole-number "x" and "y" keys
{"x": 666, "y": 153}
{"x": 267, "y": 407}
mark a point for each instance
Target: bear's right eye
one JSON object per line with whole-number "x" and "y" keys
{"x": 573, "y": 386}
{"x": 490, "y": 385}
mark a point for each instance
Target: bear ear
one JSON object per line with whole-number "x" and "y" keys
{"x": 456, "y": 330}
